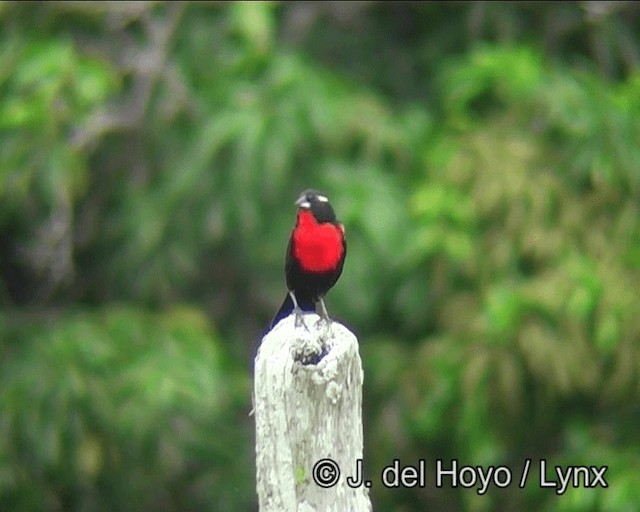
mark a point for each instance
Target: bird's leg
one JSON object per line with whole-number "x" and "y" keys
{"x": 297, "y": 311}
{"x": 324, "y": 316}
{"x": 323, "y": 311}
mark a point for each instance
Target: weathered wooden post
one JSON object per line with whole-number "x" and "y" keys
{"x": 308, "y": 413}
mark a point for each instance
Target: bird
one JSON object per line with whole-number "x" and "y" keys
{"x": 314, "y": 260}
{"x": 315, "y": 257}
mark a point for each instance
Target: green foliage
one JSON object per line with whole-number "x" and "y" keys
{"x": 483, "y": 158}
{"x": 47, "y": 88}
{"x": 531, "y": 316}
{"x": 120, "y": 399}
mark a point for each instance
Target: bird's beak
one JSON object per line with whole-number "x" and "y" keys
{"x": 302, "y": 202}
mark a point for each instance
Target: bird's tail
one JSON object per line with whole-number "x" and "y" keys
{"x": 306, "y": 305}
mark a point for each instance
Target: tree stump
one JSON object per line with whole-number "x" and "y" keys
{"x": 308, "y": 410}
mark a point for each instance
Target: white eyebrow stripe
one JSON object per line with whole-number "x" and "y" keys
{"x": 323, "y": 199}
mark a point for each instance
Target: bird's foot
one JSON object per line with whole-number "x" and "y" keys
{"x": 325, "y": 323}
{"x": 299, "y": 321}
{"x": 324, "y": 318}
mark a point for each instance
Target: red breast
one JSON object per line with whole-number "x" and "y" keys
{"x": 317, "y": 246}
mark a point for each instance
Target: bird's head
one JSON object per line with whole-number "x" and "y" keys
{"x": 318, "y": 204}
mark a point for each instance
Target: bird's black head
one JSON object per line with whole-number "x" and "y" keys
{"x": 318, "y": 204}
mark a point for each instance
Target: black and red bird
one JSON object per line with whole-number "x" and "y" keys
{"x": 315, "y": 257}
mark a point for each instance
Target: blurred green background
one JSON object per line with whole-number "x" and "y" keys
{"x": 484, "y": 158}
